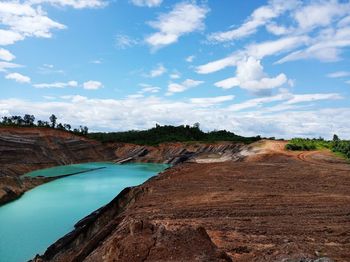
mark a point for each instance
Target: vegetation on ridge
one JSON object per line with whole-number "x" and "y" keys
{"x": 161, "y": 134}
{"x": 29, "y": 121}
{"x": 336, "y": 145}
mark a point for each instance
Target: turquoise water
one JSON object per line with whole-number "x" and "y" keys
{"x": 66, "y": 170}
{"x": 46, "y": 213}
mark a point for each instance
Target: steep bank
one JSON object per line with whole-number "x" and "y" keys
{"x": 273, "y": 206}
{"x": 26, "y": 149}
{"x": 175, "y": 153}
{"x": 13, "y": 187}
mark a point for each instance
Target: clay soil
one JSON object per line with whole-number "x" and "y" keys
{"x": 273, "y": 206}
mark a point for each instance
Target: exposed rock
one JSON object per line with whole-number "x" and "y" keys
{"x": 175, "y": 153}
{"x": 26, "y": 149}
{"x": 12, "y": 188}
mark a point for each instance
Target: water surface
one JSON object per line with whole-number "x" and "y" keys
{"x": 46, "y": 213}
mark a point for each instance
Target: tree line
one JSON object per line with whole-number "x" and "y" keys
{"x": 167, "y": 133}
{"x": 29, "y": 121}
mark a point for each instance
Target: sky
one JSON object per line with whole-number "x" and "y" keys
{"x": 272, "y": 68}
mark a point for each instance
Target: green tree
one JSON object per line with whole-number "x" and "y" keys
{"x": 335, "y": 138}
{"x": 53, "y": 120}
{"x": 28, "y": 120}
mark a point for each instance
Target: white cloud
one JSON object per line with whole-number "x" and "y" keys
{"x": 190, "y": 59}
{"x": 57, "y": 84}
{"x": 158, "y": 71}
{"x": 97, "y": 61}
{"x": 8, "y": 37}
{"x": 219, "y": 64}
{"x": 18, "y": 78}
{"x": 276, "y": 29}
{"x": 145, "y": 112}
{"x": 313, "y": 97}
{"x": 250, "y": 76}
{"x": 148, "y": 3}
{"x": 209, "y": 101}
{"x": 326, "y": 47}
{"x": 183, "y": 19}
{"x": 257, "y": 50}
{"x": 260, "y": 17}
{"x": 23, "y": 21}
{"x": 258, "y": 102}
{"x": 6, "y": 55}
{"x": 78, "y": 4}
{"x": 320, "y": 13}
{"x": 92, "y": 85}
{"x": 339, "y": 74}
{"x": 124, "y": 41}
{"x": 178, "y": 88}
{"x": 275, "y": 47}
{"x": 146, "y": 88}
{"x": 175, "y": 75}
{"x": 5, "y": 65}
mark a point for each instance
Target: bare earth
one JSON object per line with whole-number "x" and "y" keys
{"x": 272, "y": 206}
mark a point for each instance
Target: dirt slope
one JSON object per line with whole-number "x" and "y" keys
{"x": 274, "y": 206}
{"x": 26, "y": 149}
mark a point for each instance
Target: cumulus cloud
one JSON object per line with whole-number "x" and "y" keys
{"x": 141, "y": 113}
{"x": 18, "y": 78}
{"x": 148, "y": 3}
{"x": 178, "y": 88}
{"x": 250, "y": 76}
{"x": 6, "y": 55}
{"x": 57, "y": 84}
{"x": 23, "y": 20}
{"x": 92, "y": 85}
{"x": 8, "y": 37}
{"x": 184, "y": 18}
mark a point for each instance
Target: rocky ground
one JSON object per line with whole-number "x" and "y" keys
{"x": 272, "y": 205}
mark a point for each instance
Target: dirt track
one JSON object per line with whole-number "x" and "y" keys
{"x": 280, "y": 205}
{"x": 274, "y": 206}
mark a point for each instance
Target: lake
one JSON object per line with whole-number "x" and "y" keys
{"x": 46, "y": 213}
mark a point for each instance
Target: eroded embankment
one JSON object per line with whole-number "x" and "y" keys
{"x": 271, "y": 207}
{"x": 175, "y": 153}
{"x": 26, "y": 149}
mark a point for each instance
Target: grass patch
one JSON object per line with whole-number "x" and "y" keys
{"x": 339, "y": 147}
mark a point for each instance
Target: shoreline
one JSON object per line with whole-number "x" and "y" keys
{"x": 35, "y": 181}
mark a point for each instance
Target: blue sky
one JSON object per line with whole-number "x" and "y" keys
{"x": 274, "y": 68}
